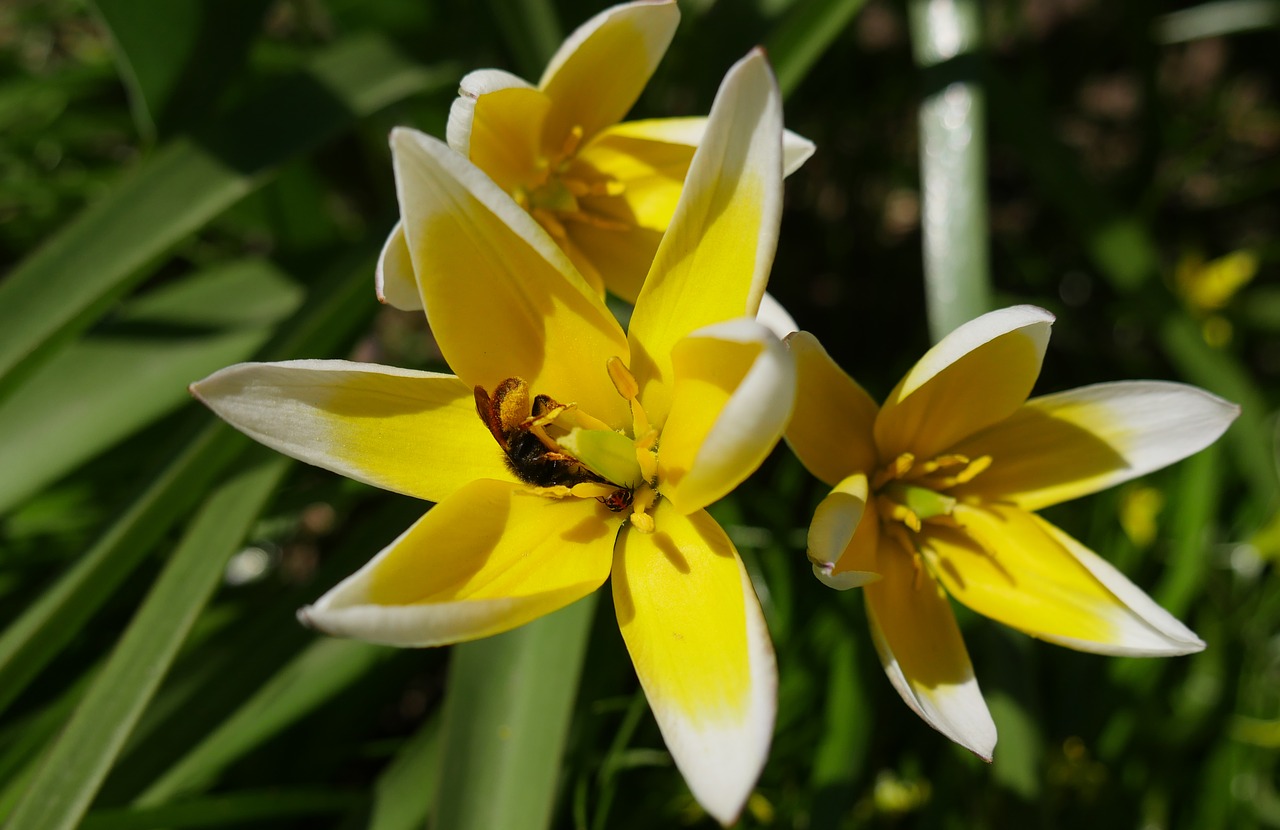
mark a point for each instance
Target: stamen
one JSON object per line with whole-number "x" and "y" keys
{"x": 623, "y": 380}
{"x": 555, "y": 491}
{"x": 585, "y": 421}
{"x": 593, "y": 490}
{"x": 546, "y": 440}
{"x": 977, "y": 466}
{"x": 643, "y": 500}
{"x": 571, "y": 142}
{"x": 895, "y": 469}
{"x": 646, "y": 457}
{"x": 897, "y": 512}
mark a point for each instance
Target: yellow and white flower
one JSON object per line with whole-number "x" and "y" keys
{"x": 565, "y": 451}
{"x": 604, "y": 191}
{"x": 934, "y": 493}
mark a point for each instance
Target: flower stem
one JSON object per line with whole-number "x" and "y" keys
{"x": 946, "y": 37}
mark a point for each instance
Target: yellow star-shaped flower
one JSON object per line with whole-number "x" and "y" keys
{"x": 565, "y": 451}
{"x": 934, "y": 493}
{"x": 604, "y": 191}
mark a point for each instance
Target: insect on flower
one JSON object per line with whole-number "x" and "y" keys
{"x": 533, "y": 456}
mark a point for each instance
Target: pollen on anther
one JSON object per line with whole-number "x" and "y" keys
{"x": 623, "y": 380}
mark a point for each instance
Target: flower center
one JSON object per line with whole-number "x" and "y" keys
{"x": 563, "y": 452}
{"x": 910, "y": 494}
{"x": 565, "y": 189}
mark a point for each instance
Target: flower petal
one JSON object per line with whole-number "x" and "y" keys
{"x": 599, "y": 71}
{"x": 775, "y": 317}
{"x": 841, "y": 520}
{"x": 796, "y": 149}
{"x": 503, "y": 300}
{"x": 915, "y": 633}
{"x": 695, "y": 632}
{"x": 714, "y": 260}
{"x": 416, "y": 433}
{"x": 831, "y": 427}
{"x": 618, "y": 258}
{"x": 1059, "y": 447}
{"x": 393, "y": 279}
{"x": 462, "y": 112}
{"x": 734, "y": 386}
{"x": 977, "y": 375}
{"x": 1017, "y": 568}
{"x": 497, "y": 123}
{"x": 491, "y": 557}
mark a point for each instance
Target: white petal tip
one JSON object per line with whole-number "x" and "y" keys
{"x": 304, "y": 617}
{"x": 842, "y": 581}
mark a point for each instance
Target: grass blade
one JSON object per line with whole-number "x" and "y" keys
{"x": 339, "y": 306}
{"x": 95, "y": 259}
{"x": 808, "y": 31}
{"x": 325, "y": 668}
{"x": 406, "y": 789}
{"x": 78, "y": 761}
{"x": 226, "y": 810}
{"x": 107, "y": 386}
{"x": 946, "y": 37}
{"x": 507, "y": 710}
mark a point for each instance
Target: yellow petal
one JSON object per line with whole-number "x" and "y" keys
{"x": 497, "y": 122}
{"x": 650, "y": 174}
{"x": 974, "y": 377}
{"x": 714, "y": 260}
{"x": 694, "y": 629}
{"x": 915, "y": 633}
{"x": 502, "y": 298}
{"x": 1016, "y": 568}
{"x": 734, "y": 386}
{"x": 599, "y": 71}
{"x": 1062, "y": 446}
{"x": 796, "y": 149}
{"x": 831, "y": 427}
{"x": 843, "y": 536}
{"x": 393, "y": 278}
{"x": 462, "y": 112}
{"x": 491, "y": 557}
{"x": 620, "y": 258}
{"x": 416, "y": 433}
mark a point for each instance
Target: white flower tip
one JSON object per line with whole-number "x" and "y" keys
{"x": 304, "y": 616}
{"x": 842, "y": 581}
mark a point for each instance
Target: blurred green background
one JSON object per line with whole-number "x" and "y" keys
{"x": 188, "y": 184}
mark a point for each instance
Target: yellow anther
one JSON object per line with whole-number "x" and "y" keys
{"x": 640, "y": 504}
{"x": 556, "y": 491}
{"x": 895, "y": 469}
{"x": 571, "y": 142}
{"x": 975, "y": 467}
{"x": 592, "y": 490}
{"x": 623, "y": 380}
{"x": 640, "y": 425}
{"x": 585, "y": 421}
{"x": 648, "y": 461}
{"x": 898, "y": 512}
{"x": 546, "y": 440}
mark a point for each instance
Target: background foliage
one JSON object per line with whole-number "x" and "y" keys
{"x": 188, "y": 184}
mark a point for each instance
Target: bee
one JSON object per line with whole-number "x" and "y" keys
{"x": 516, "y": 424}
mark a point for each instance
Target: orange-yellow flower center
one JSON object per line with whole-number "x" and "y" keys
{"x": 565, "y": 189}
{"x": 909, "y": 493}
